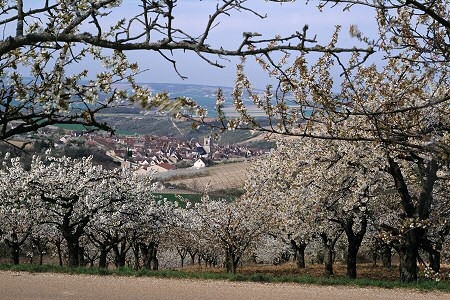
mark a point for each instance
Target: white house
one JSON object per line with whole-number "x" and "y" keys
{"x": 200, "y": 163}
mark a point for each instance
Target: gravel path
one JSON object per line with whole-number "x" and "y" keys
{"x": 26, "y": 286}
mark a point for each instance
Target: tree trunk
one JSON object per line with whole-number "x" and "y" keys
{"x": 386, "y": 255}
{"x": 149, "y": 255}
{"x": 320, "y": 257}
{"x": 374, "y": 257}
{"x": 234, "y": 260}
{"x": 59, "y": 250}
{"x": 329, "y": 244}
{"x": 352, "y": 254}
{"x": 409, "y": 246}
{"x": 435, "y": 261}
{"x": 73, "y": 249}
{"x": 182, "y": 252}
{"x": 301, "y": 258}
{"x": 136, "y": 256}
{"x": 102, "y": 260}
{"x": 192, "y": 254}
{"x": 155, "y": 261}
{"x": 15, "y": 253}
{"x": 409, "y": 254}
{"x": 328, "y": 260}
{"x": 145, "y": 256}
{"x": 435, "y": 258}
{"x": 231, "y": 261}
{"x": 120, "y": 253}
{"x": 41, "y": 247}
{"x": 15, "y": 245}
{"x": 354, "y": 241}
{"x": 81, "y": 256}
{"x": 299, "y": 249}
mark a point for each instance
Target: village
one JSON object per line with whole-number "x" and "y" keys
{"x": 149, "y": 154}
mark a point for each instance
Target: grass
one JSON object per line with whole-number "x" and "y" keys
{"x": 245, "y": 275}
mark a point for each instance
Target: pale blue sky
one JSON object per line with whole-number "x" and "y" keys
{"x": 281, "y": 19}
{"x": 284, "y": 19}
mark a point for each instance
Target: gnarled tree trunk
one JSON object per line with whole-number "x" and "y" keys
{"x": 149, "y": 255}
{"x": 73, "y": 250}
{"x": 386, "y": 255}
{"x": 231, "y": 261}
{"x": 328, "y": 245}
{"x": 409, "y": 253}
{"x": 299, "y": 249}
{"x": 411, "y": 241}
{"x": 120, "y": 250}
{"x": 354, "y": 242}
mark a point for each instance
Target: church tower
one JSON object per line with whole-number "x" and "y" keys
{"x": 207, "y": 144}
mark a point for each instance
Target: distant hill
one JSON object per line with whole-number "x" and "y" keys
{"x": 133, "y": 120}
{"x": 204, "y": 95}
{"x": 182, "y": 130}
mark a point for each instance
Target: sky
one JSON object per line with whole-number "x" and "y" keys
{"x": 192, "y": 16}
{"x": 284, "y": 19}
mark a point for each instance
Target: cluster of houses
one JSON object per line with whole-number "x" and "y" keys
{"x": 147, "y": 153}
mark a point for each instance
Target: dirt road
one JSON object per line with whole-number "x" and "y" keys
{"x": 26, "y": 286}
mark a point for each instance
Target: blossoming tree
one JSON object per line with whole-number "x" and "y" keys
{"x": 118, "y": 227}
{"x": 18, "y": 213}
{"x": 235, "y": 226}
{"x": 84, "y": 205}
{"x": 397, "y": 104}
{"x": 71, "y": 193}
{"x": 320, "y": 189}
